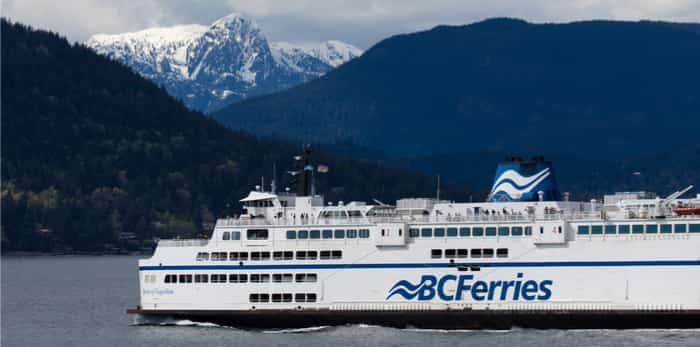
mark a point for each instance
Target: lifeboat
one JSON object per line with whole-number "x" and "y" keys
{"x": 687, "y": 211}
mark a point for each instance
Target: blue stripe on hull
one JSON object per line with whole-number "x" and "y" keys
{"x": 427, "y": 265}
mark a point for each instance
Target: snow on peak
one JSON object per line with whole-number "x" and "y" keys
{"x": 211, "y": 66}
{"x": 336, "y": 53}
{"x": 333, "y": 53}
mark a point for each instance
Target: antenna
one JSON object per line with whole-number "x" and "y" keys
{"x": 273, "y": 185}
{"x": 438, "y": 188}
{"x": 262, "y": 183}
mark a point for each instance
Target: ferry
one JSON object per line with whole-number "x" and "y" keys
{"x": 526, "y": 257}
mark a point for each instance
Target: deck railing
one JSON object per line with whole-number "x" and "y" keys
{"x": 183, "y": 243}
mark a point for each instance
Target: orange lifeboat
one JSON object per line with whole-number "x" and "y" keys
{"x": 687, "y": 211}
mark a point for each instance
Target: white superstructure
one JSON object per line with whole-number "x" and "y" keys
{"x": 289, "y": 252}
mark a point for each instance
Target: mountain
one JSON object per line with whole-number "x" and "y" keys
{"x": 595, "y": 89}
{"x": 208, "y": 67}
{"x": 96, "y": 157}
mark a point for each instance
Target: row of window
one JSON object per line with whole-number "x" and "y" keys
{"x": 467, "y": 231}
{"x": 276, "y": 255}
{"x": 327, "y": 234}
{"x": 251, "y": 234}
{"x": 282, "y": 297}
{"x": 637, "y": 229}
{"x": 464, "y": 253}
{"x": 242, "y": 278}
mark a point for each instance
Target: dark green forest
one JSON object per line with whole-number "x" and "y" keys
{"x": 96, "y": 158}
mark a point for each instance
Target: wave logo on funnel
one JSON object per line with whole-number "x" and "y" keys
{"x": 410, "y": 291}
{"x": 512, "y": 185}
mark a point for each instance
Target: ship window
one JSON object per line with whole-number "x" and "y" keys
{"x": 254, "y": 298}
{"x": 528, "y": 230}
{"x": 223, "y": 256}
{"x": 596, "y": 229}
{"x": 264, "y": 297}
{"x": 291, "y": 234}
{"x": 487, "y": 252}
{"x": 233, "y": 278}
{"x": 452, "y": 232}
{"x": 502, "y": 253}
{"x": 256, "y": 234}
{"x": 185, "y": 278}
{"x": 243, "y": 278}
{"x": 503, "y": 231}
{"x": 286, "y": 297}
{"x": 259, "y": 278}
{"x": 426, "y": 232}
{"x": 695, "y": 228}
{"x": 216, "y": 278}
{"x": 652, "y": 228}
{"x": 610, "y": 229}
{"x": 352, "y": 233}
{"x": 276, "y": 297}
{"x": 235, "y": 235}
{"x": 666, "y": 228}
{"x": 277, "y": 255}
{"x": 339, "y": 234}
{"x": 315, "y": 234}
{"x": 328, "y": 234}
{"x": 491, "y": 231}
{"x": 299, "y": 297}
{"x": 413, "y": 232}
{"x": 336, "y": 254}
{"x": 301, "y": 255}
{"x": 214, "y": 256}
{"x": 679, "y": 228}
{"x": 478, "y": 231}
{"x": 516, "y": 231}
{"x": 311, "y": 297}
{"x": 476, "y": 252}
{"x": 462, "y": 253}
{"x": 439, "y": 232}
{"x": 254, "y": 255}
{"x": 242, "y": 255}
{"x": 227, "y": 235}
{"x": 201, "y": 256}
{"x": 288, "y": 255}
{"x": 465, "y": 232}
{"x": 436, "y": 253}
{"x": 311, "y": 255}
{"x": 623, "y": 229}
{"x": 282, "y": 278}
{"x": 450, "y": 253}
{"x": 201, "y": 278}
{"x": 168, "y": 279}
{"x": 306, "y": 278}
{"x": 264, "y": 255}
{"x": 583, "y": 229}
{"x": 325, "y": 255}
{"x": 638, "y": 229}
{"x": 364, "y": 233}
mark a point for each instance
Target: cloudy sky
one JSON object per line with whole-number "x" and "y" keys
{"x": 360, "y": 22}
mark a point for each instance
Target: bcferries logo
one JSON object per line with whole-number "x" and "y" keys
{"x": 463, "y": 287}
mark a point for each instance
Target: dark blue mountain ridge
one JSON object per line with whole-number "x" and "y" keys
{"x": 594, "y": 89}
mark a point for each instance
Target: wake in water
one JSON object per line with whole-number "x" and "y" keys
{"x": 166, "y": 321}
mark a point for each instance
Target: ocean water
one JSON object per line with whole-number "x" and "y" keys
{"x": 81, "y": 301}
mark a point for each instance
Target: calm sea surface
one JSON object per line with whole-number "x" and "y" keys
{"x": 81, "y": 301}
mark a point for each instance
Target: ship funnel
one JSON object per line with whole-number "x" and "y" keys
{"x": 522, "y": 179}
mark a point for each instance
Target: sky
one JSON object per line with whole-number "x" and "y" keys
{"x": 359, "y": 22}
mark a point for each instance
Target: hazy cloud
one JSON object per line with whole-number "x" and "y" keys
{"x": 360, "y": 22}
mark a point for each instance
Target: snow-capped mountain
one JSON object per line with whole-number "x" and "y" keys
{"x": 211, "y": 67}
